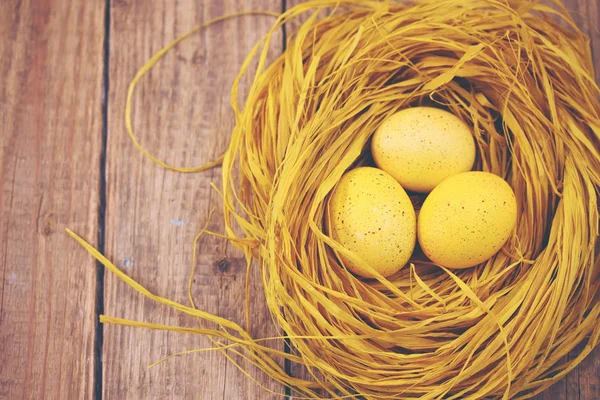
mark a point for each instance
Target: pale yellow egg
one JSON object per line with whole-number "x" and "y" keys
{"x": 422, "y": 146}
{"x": 371, "y": 215}
{"x": 467, "y": 219}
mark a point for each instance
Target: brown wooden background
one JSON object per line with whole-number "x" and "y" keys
{"x": 65, "y": 160}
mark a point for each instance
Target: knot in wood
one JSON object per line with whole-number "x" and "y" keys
{"x": 223, "y": 265}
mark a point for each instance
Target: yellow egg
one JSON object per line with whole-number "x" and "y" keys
{"x": 466, "y": 219}
{"x": 372, "y": 216}
{"x": 422, "y": 146}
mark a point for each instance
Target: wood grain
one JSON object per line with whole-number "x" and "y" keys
{"x": 51, "y": 61}
{"x": 182, "y": 115}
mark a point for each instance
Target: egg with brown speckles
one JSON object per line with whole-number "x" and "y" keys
{"x": 371, "y": 215}
{"x": 422, "y": 146}
{"x": 467, "y": 219}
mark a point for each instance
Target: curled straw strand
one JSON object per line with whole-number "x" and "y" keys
{"x": 500, "y": 330}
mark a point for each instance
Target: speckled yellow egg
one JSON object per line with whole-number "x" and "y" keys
{"x": 371, "y": 215}
{"x": 422, "y": 146}
{"x": 467, "y": 219}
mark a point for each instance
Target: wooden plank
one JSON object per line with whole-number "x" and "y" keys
{"x": 182, "y": 115}
{"x": 583, "y": 383}
{"x": 51, "y": 63}
{"x": 586, "y": 14}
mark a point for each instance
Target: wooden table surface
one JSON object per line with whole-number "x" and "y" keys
{"x": 65, "y": 161}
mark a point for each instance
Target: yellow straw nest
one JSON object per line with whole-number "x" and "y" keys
{"x": 525, "y": 85}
